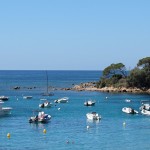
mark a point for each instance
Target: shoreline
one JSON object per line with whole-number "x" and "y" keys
{"x": 91, "y": 86}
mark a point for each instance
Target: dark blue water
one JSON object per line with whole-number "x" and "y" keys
{"x": 69, "y": 123}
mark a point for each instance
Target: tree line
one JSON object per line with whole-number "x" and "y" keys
{"x": 117, "y": 76}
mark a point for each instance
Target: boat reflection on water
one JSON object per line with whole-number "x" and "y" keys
{"x": 37, "y": 126}
{"x": 92, "y": 121}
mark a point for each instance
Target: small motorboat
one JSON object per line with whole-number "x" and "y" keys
{"x": 145, "y": 112}
{"x": 45, "y": 104}
{"x": 145, "y": 104}
{"x": 4, "y": 98}
{"x": 27, "y": 97}
{"x": 93, "y": 116}
{"x": 62, "y": 100}
{"x": 40, "y": 118}
{"x": 4, "y": 110}
{"x": 129, "y": 110}
{"x": 127, "y": 100}
{"x": 145, "y": 107}
{"x": 89, "y": 103}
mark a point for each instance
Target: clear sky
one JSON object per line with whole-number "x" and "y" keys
{"x": 73, "y": 34}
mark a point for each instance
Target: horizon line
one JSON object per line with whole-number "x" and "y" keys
{"x": 45, "y": 70}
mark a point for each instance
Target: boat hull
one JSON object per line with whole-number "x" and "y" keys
{"x": 5, "y": 111}
{"x": 62, "y": 100}
{"x": 145, "y": 112}
{"x": 3, "y": 98}
{"x": 93, "y": 116}
{"x": 27, "y": 97}
{"x": 89, "y": 103}
{"x": 129, "y": 110}
{"x": 40, "y": 118}
{"x": 45, "y": 105}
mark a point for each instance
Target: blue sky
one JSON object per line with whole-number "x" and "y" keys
{"x": 73, "y": 34}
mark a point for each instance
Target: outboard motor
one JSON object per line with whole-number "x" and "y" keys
{"x": 42, "y": 105}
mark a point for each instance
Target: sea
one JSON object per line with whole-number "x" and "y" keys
{"x": 69, "y": 129}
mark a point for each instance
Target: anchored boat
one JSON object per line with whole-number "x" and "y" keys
{"x": 4, "y": 98}
{"x": 129, "y": 110}
{"x": 4, "y": 110}
{"x": 89, "y": 103}
{"x": 45, "y": 104}
{"x": 27, "y": 97}
{"x": 93, "y": 116}
{"x": 41, "y": 117}
{"x": 62, "y": 100}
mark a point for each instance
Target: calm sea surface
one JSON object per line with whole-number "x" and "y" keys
{"x": 69, "y": 123}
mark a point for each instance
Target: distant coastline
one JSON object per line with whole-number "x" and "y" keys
{"x": 91, "y": 86}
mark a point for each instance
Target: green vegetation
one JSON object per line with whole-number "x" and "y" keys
{"x": 114, "y": 69}
{"x": 116, "y": 75}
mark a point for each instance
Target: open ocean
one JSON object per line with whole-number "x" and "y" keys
{"x": 67, "y": 129}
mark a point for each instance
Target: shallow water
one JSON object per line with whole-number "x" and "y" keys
{"x": 68, "y": 126}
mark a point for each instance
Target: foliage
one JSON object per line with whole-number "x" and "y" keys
{"x": 115, "y": 75}
{"x": 137, "y": 78}
{"x": 140, "y": 76}
{"x": 114, "y": 69}
{"x": 145, "y": 63}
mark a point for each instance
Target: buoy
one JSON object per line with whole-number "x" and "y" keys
{"x": 87, "y": 127}
{"x": 106, "y": 97}
{"x": 44, "y": 131}
{"x": 8, "y": 135}
{"x": 124, "y": 123}
{"x": 58, "y": 108}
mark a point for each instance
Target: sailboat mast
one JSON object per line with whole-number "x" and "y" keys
{"x": 47, "y": 93}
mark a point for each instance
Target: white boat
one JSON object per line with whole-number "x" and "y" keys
{"x": 127, "y": 100}
{"x": 4, "y": 98}
{"x": 89, "y": 103}
{"x": 62, "y": 100}
{"x": 27, "y": 97}
{"x": 145, "y": 112}
{"x": 93, "y": 116}
{"x": 129, "y": 110}
{"x": 45, "y": 104}
{"x": 4, "y": 110}
{"x": 145, "y": 105}
{"x": 41, "y": 117}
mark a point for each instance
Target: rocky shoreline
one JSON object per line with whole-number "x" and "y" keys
{"x": 91, "y": 86}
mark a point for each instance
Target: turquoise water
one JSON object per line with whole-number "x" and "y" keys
{"x": 68, "y": 126}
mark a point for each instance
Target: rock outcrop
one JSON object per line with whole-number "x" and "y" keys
{"x": 91, "y": 86}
